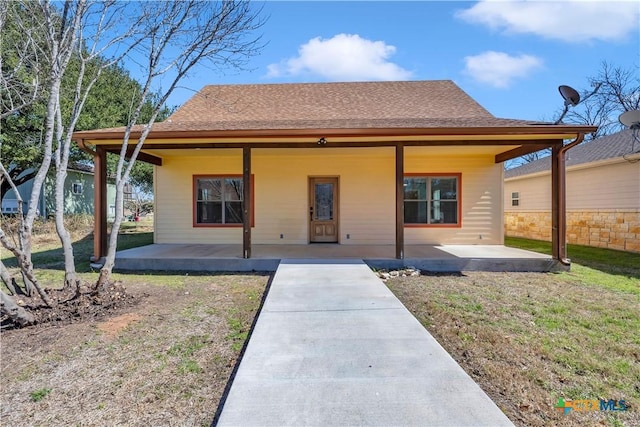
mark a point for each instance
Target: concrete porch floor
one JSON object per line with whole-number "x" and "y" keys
{"x": 436, "y": 258}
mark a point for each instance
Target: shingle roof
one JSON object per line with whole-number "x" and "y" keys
{"x": 435, "y": 104}
{"x": 606, "y": 147}
{"x": 255, "y": 103}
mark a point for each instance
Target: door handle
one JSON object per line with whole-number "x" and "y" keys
{"x": 311, "y": 213}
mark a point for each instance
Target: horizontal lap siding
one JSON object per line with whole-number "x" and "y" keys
{"x": 613, "y": 186}
{"x": 174, "y": 198}
{"x": 367, "y": 195}
{"x": 366, "y": 192}
{"x": 603, "y": 207}
{"x": 481, "y": 198}
{"x": 281, "y": 195}
{"x": 534, "y": 193}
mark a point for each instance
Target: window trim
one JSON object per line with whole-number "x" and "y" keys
{"x": 194, "y": 201}
{"x": 456, "y": 175}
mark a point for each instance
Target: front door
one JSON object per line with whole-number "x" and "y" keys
{"x": 323, "y": 210}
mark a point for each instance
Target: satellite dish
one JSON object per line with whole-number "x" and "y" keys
{"x": 630, "y": 119}
{"x": 570, "y": 95}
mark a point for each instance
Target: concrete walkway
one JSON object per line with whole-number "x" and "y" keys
{"x": 334, "y": 347}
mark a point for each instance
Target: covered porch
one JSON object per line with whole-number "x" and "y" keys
{"x": 432, "y": 258}
{"x": 274, "y": 176}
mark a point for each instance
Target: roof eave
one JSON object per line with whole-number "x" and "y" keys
{"x": 543, "y": 131}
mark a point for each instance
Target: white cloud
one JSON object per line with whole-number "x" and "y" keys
{"x": 569, "y": 21}
{"x": 499, "y": 69}
{"x": 344, "y": 57}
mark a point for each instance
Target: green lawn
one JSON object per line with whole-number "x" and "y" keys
{"x": 48, "y": 254}
{"x": 607, "y": 260}
{"x": 530, "y": 339}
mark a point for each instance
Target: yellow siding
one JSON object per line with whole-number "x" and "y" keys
{"x": 174, "y": 198}
{"x": 481, "y": 198}
{"x": 367, "y": 195}
{"x": 367, "y": 191}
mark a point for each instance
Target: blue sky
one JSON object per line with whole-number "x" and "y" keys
{"x": 510, "y": 56}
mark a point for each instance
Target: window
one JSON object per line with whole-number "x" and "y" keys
{"x": 432, "y": 200}
{"x": 218, "y": 200}
{"x": 76, "y": 188}
{"x": 515, "y": 199}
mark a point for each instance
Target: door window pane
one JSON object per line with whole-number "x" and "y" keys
{"x": 324, "y": 202}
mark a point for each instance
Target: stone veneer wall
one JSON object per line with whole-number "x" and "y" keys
{"x": 613, "y": 228}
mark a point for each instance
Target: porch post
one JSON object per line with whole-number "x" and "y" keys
{"x": 399, "y": 201}
{"x": 558, "y": 218}
{"x": 99, "y": 204}
{"x": 246, "y": 195}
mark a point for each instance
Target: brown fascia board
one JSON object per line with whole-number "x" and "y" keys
{"x": 569, "y": 131}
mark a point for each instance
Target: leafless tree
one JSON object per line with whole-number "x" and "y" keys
{"x": 60, "y": 41}
{"x": 166, "y": 40}
{"x": 97, "y": 33}
{"x": 20, "y": 80}
{"x": 181, "y": 36}
{"x": 613, "y": 91}
{"x": 616, "y": 90}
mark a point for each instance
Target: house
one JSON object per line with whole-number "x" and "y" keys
{"x": 603, "y": 195}
{"x": 365, "y": 163}
{"x": 78, "y": 194}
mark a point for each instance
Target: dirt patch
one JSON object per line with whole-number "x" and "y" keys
{"x": 113, "y": 326}
{"x": 164, "y": 361}
{"x": 71, "y": 306}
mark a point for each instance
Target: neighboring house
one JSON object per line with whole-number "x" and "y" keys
{"x": 375, "y": 163}
{"x": 603, "y": 195}
{"x": 78, "y": 194}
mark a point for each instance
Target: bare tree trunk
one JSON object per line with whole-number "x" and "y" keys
{"x": 26, "y": 267}
{"x": 62, "y": 161}
{"x": 24, "y": 260}
{"x": 8, "y": 280}
{"x": 62, "y": 41}
{"x": 14, "y": 311}
{"x": 196, "y": 32}
{"x": 107, "y": 268}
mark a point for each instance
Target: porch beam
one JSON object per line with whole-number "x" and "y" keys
{"x": 143, "y": 157}
{"x": 246, "y": 194}
{"x": 399, "y": 201}
{"x": 521, "y": 151}
{"x": 99, "y": 204}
